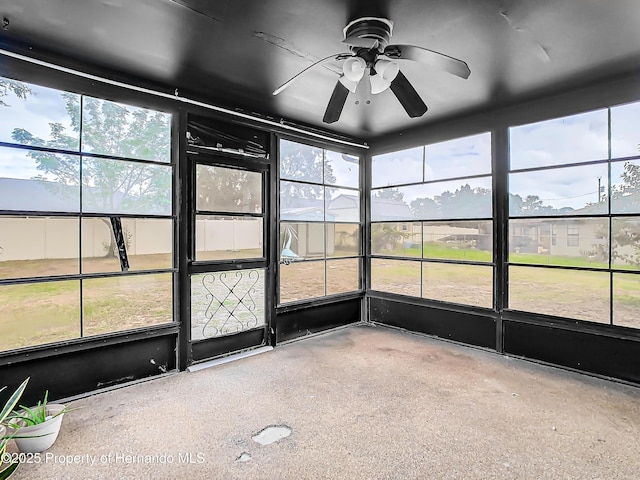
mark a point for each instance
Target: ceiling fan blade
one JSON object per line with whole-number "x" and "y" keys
{"x": 336, "y": 103}
{"x": 288, "y": 83}
{"x": 360, "y": 42}
{"x": 407, "y": 96}
{"x": 429, "y": 57}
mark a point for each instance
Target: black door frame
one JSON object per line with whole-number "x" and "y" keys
{"x": 207, "y": 349}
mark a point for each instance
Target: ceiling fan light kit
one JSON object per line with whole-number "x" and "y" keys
{"x": 384, "y": 72}
{"x": 372, "y": 56}
{"x": 351, "y": 85}
{"x": 353, "y": 68}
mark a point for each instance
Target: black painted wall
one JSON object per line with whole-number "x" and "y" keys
{"x": 296, "y": 323}
{"x": 74, "y": 372}
{"x": 465, "y": 327}
{"x": 598, "y": 353}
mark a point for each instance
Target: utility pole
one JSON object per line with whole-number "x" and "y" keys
{"x": 599, "y": 181}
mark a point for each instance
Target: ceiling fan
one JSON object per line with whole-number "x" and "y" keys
{"x": 372, "y": 58}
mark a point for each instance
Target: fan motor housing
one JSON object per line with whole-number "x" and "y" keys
{"x": 370, "y": 27}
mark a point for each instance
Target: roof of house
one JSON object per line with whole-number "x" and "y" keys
{"x": 390, "y": 209}
{"x": 38, "y": 195}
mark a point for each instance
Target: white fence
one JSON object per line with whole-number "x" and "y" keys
{"x": 233, "y": 234}
{"x": 33, "y": 238}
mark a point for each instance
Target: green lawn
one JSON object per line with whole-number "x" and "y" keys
{"x": 460, "y": 251}
{"x": 565, "y": 261}
{"x": 575, "y": 294}
{"x": 446, "y": 251}
{"x": 37, "y": 313}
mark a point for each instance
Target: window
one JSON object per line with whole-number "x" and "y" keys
{"x": 432, "y": 233}
{"x": 229, "y": 213}
{"x": 573, "y": 236}
{"x": 561, "y": 141}
{"x": 86, "y": 218}
{"x": 564, "y": 180}
{"x": 320, "y": 251}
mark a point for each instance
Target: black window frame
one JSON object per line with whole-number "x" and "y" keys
{"x": 70, "y": 84}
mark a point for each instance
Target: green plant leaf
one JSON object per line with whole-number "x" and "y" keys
{"x": 30, "y": 415}
{"x": 16, "y": 416}
{"x": 31, "y": 436}
{"x": 34, "y": 416}
{"x": 8, "y": 407}
{"x": 64, "y": 410}
{"x": 7, "y": 472}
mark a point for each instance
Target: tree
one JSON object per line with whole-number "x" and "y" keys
{"x": 464, "y": 202}
{"x": 425, "y": 208}
{"x": 532, "y": 205}
{"x": 306, "y": 164}
{"x": 109, "y": 186}
{"x": 627, "y": 195}
{"x": 390, "y": 194}
{"x": 625, "y": 232}
{"x": 20, "y": 89}
{"x": 385, "y": 236}
{"x": 225, "y": 189}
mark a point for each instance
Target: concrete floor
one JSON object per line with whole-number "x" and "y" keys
{"x": 362, "y": 403}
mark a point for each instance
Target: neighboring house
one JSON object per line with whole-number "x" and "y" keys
{"x": 26, "y": 195}
{"x": 303, "y": 210}
{"x": 31, "y": 195}
{"x": 303, "y": 234}
{"x": 387, "y": 209}
{"x": 581, "y": 236}
{"x": 561, "y": 236}
{"x": 344, "y": 208}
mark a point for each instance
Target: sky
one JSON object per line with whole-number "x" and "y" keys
{"x": 573, "y": 187}
{"x": 344, "y": 168}
{"x": 15, "y": 163}
{"x": 347, "y": 173}
{"x": 461, "y": 157}
{"x": 41, "y": 107}
{"x": 579, "y": 138}
{"x": 574, "y": 139}
{"x": 430, "y": 190}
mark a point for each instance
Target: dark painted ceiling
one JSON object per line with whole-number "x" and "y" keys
{"x": 236, "y": 52}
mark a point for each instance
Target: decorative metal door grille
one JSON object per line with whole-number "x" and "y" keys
{"x": 228, "y": 302}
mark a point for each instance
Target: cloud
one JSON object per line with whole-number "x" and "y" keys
{"x": 15, "y": 163}
{"x": 41, "y": 107}
{"x": 625, "y": 131}
{"x": 347, "y": 173}
{"x": 574, "y": 139}
{"x": 461, "y": 157}
{"x": 573, "y": 187}
{"x": 397, "y": 168}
